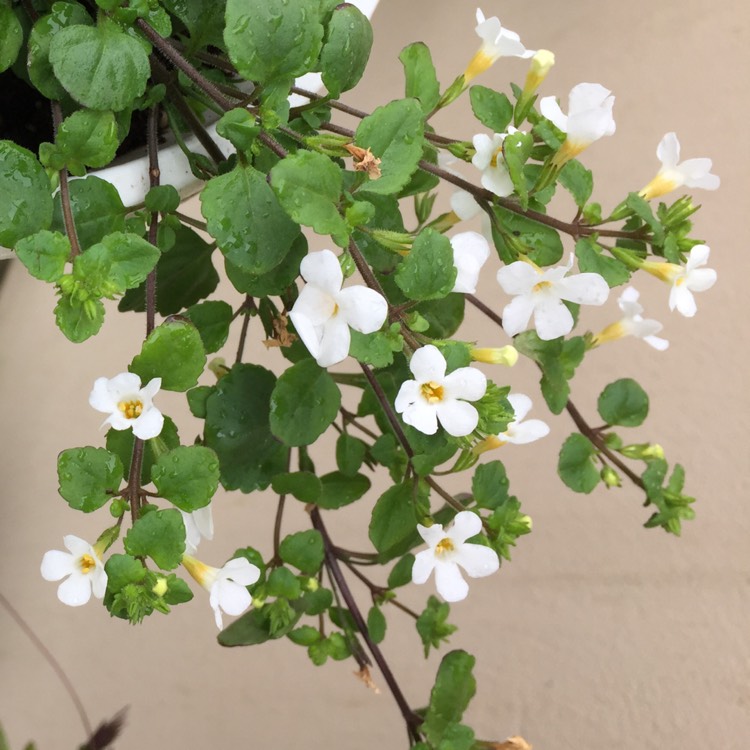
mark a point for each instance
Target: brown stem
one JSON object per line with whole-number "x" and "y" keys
{"x": 153, "y": 229}
{"x": 412, "y": 720}
{"x": 376, "y": 590}
{"x": 493, "y": 316}
{"x": 134, "y": 479}
{"x": 67, "y": 211}
{"x": 243, "y": 338}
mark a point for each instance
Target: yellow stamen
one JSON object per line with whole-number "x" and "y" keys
{"x": 443, "y": 546}
{"x": 86, "y": 563}
{"x": 542, "y": 285}
{"x": 432, "y": 391}
{"x": 131, "y": 409}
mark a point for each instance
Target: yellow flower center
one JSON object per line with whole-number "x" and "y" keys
{"x": 541, "y": 286}
{"x": 497, "y": 155}
{"x": 443, "y": 546}
{"x": 87, "y": 564}
{"x": 131, "y": 409}
{"x": 432, "y": 391}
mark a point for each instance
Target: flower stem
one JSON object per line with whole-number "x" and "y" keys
{"x": 67, "y": 211}
{"x": 153, "y": 228}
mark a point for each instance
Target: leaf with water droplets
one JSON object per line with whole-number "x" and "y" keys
{"x": 187, "y": 476}
{"x": 88, "y": 477}
{"x": 11, "y": 37}
{"x": 159, "y": 535}
{"x": 346, "y": 49}
{"x": 44, "y": 254}
{"x": 427, "y": 272}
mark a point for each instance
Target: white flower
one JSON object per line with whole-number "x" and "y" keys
{"x": 497, "y": 42}
{"x": 198, "y": 525}
{"x": 83, "y": 568}
{"x": 226, "y": 586}
{"x": 685, "y": 280}
{"x": 463, "y": 203}
{"x": 489, "y": 159}
{"x": 693, "y": 173}
{"x": 324, "y": 312}
{"x": 521, "y": 430}
{"x": 128, "y": 404}
{"x": 436, "y": 396}
{"x": 449, "y": 550}
{"x": 540, "y": 292}
{"x": 589, "y": 118}
{"x": 470, "y": 253}
{"x": 633, "y": 324}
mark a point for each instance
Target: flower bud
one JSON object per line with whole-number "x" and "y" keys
{"x": 505, "y": 355}
{"x": 218, "y": 366}
{"x": 643, "y": 451}
{"x": 610, "y": 477}
{"x": 541, "y": 64}
{"x": 312, "y": 584}
{"x": 160, "y": 587}
{"x": 398, "y": 241}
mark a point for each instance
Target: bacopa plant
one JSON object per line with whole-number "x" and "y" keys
{"x": 383, "y": 301}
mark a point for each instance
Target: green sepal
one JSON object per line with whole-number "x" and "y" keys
{"x": 187, "y": 476}
{"x": 88, "y": 477}
{"x": 432, "y": 624}
{"x": 159, "y": 535}
{"x": 173, "y": 352}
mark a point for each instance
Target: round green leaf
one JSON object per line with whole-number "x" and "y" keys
{"x": 26, "y": 205}
{"x": 576, "y": 465}
{"x": 159, "y": 535}
{"x": 79, "y": 320}
{"x": 338, "y": 490}
{"x": 121, "y": 443}
{"x": 44, "y": 254}
{"x": 304, "y": 403}
{"x": 40, "y": 69}
{"x": 246, "y": 220}
{"x": 623, "y": 402}
{"x": 303, "y": 551}
{"x": 350, "y": 453}
{"x": 88, "y": 477}
{"x": 100, "y": 66}
{"x": 173, "y": 352}
{"x": 393, "y": 521}
{"x": 187, "y": 476}
{"x": 302, "y": 485}
{"x": 271, "y": 39}
{"x": 346, "y": 49}
{"x": 85, "y": 139}
{"x": 212, "y": 319}
{"x": 427, "y": 272}
{"x": 11, "y": 37}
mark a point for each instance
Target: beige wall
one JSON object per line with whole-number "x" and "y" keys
{"x": 600, "y": 634}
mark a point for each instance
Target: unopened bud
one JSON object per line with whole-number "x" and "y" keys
{"x": 398, "y": 241}
{"x": 541, "y": 64}
{"x": 160, "y": 587}
{"x": 312, "y": 584}
{"x": 610, "y": 477}
{"x": 643, "y": 451}
{"x": 504, "y": 355}
{"x": 218, "y": 366}
{"x": 258, "y": 602}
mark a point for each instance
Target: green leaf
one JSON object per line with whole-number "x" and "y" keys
{"x": 642, "y": 209}
{"x": 453, "y": 690}
{"x": 197, "y": 398}
{"x": 185, "y": 275}
{"x": 96, "y": 207}
{"x": 376, "y": 624}
{"x": 491, "y": 108}
{"x": 432, "y": 624}
{"x": 346, "y": 49}
{"x": 558, "y": 359}
{"x": 516, "y": 151}
{"x": 44, "y": 254}
{"x": 159, "y": 535}
{"x": 11, "y": 37}
{"x": 592, "y": 260}
{"x": 173, "y": 352}
{"x": 212, "y": 319}
{"x": 101, "y": 67}
{"x": 489, "y": 485}
{"x": 255, "y": 627}
{"x": 400, "y": 574}
{"x": 84, "y": 139}
{"x": 578, "y": 181}
{"x": 88, "y": 477}
{"x": 303, "y": 485}
{"x": 444, "y": 316}
{"x": 304, "y": 636}
{"x": 427, "y": 272}
{"x": 162, "y": 199}
{"x": 239, "y": 127}
{"x": 507, "y": 523}
{"x": 376, "y": 349}
{"x": 576, "y": 464}
{"x": 61, "y": 14}
{"x": 178, "y": 592}
{"x": 315, "y": 602}
{"x": 282, "y": 582}
{"x": 303, "y": 551}
{"x": 204, "y": 19}
{"x": 237, "y": 429}
{"x": 421, "y": 79}
{"x": 544, "y": 243}
{"x": 309, "y": 186}
{"x": 276, "y": 281}
{"x": 395, "y": 134}
{"x": 124, "y": 259}
{"x": 394, "y": 521}
{"x": 338, "y": 490}
{"x": 304, "y": 403}
{"x": 623, "y": 402}
{"x": 27, "y": 196}
{"x": 246, "y": 220}
{"x": 121, "y": 443}
{"x": 122, "y": 570}
{"x": 350, "y": 453}
{"x": 273, "y": 39}
{"x": 187, "y": 476}
{"x": 79, "y": 320}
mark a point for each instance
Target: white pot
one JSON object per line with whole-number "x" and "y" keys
{"x": 131, "y": 176}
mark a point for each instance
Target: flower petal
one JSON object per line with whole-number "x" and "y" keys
{"x": 150, "y": 389}
{"x": 464, "y": 205}
{"x": 517, "y": 313}
{"x": 363, "y": 309}
{"x": 465, "y": 525}
{"x": 497, "y": 180}
{"x": 322, "y": 269}
{"x": 668, "y": 150}
{"x": 421, "y": 416}
{"x": 697, "y": 257}
{"x": 98, "y": 581}
{"x": 526, "y": 432}
{"x": 431, "y": 534}
{"x": 241, "y": 570}
{"x": 149, "y": 424}
{"x": 700, "y": 279}
{"x": 550, "y": 108}
{"x": 551, "y": 318}
{"x": 681, "y": 298}
{"x": 583, "y": 289}
{"x": 458, "y": 418}
{"x": 334, "y": 345}
{"x": 76, "y": 591}
{"x": 518, "y": 278}
{"x": 521, "y": 404}
{"x": 449, "y": 582}
{"x": 57, "y": 565}
{"x": 408, "y": 394}
{"x": 428, "y": 364}
{"x": 467, "y": 383}
{"x": 307, "y": 331}
{"x": 424, "y": 564}
{"x": 314, "y": 304}
{"x": 477, "y": 560}
{"x": 233, "y": 598}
